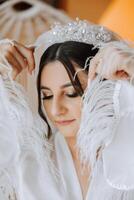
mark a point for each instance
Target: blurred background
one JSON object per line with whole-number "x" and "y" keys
{"x": 25, "y": 20}
{"x": 19, "y": 17}
{"x": 118, "y": 15}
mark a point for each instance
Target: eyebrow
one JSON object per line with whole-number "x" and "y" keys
{"x": 63, "y": 86}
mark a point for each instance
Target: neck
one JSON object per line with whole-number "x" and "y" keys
{"x": 83, "y": 172}
{"x": 71, "y": 141}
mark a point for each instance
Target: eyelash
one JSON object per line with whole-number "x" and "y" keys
{"x": 73, "y": 95}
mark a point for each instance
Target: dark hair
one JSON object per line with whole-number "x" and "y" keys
{"x": 67, "y": 53}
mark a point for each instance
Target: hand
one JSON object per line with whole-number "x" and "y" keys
{"x": 18, "y": 56}
{"x": 114, "y": 61}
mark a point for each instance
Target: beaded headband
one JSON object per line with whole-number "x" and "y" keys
{"x": 79, "y": 30}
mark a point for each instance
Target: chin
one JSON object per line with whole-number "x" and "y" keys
{"x": 69, "y": 132}
{"x": 66, "y": 135}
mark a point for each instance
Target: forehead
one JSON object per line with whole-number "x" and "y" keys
{"x": 54, "y": 73}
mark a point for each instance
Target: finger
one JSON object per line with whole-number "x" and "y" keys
{"x": 127, "y": 64}
{"x": 19, "y": 57}
{"x": 14, "y": 63}
{"x": 14, "y": 74}
{"x": 28, "y": 54}
{"x": 109, "y": 63}
{"x": 31, "y": 47}
{"x": 121, "y": 75}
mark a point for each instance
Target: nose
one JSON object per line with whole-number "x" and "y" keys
{"x": 58, "y": 107}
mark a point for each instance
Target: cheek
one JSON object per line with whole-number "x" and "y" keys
{"x": 47, "y": 107}
{"x": 73, "y": 107}
{"x": 76, "y": 108}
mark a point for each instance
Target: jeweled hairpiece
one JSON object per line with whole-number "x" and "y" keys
{"x": 81, "y": 31}
{"x": 78, "y": 30}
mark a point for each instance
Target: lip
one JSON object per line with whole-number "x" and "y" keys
{"x": 65, "y": 122}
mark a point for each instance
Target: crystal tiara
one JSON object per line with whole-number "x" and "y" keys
{"x": 79, "y": 30}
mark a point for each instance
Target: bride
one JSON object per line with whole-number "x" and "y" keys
{"x": 83, "y": 147}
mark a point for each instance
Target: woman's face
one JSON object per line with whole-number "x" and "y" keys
{"x": 60, "y": 100}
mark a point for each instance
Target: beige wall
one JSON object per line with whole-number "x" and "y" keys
{"x": 118, "y": 15}
{"x": 91, "y": 10}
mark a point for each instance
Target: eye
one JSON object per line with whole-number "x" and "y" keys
{"x": 72, "y": 94}
{"x": 45, "y": 96}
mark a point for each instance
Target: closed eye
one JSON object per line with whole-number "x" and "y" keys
{"x": 75, "y": 94}
{"x": 46, "y": 97}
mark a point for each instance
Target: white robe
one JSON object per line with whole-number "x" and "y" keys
{"x": 30, "y": 169}
{"x": 65, "y": 186}
{"x": 98, "y": 187}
